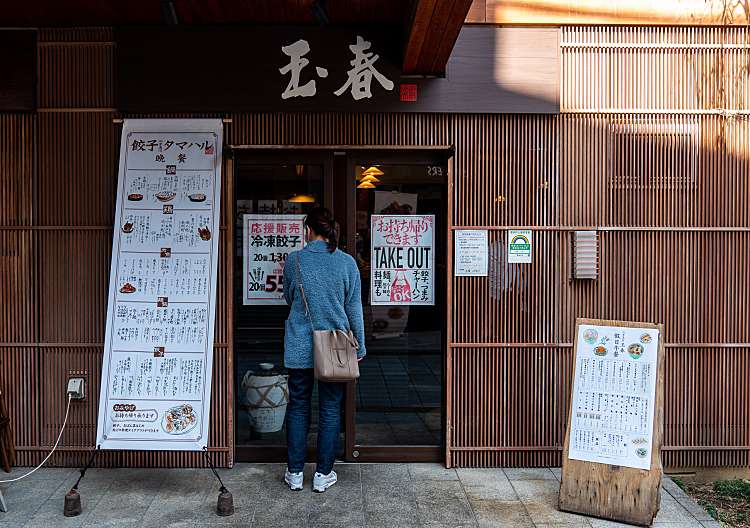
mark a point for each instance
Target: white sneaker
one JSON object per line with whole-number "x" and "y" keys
{"x": 294, "y": 480}
{"x": 323, "y": 482}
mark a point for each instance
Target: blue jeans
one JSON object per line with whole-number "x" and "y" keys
{"x": 330, "y": 396}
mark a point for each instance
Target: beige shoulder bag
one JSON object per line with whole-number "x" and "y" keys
{"x": 334, "y": 351}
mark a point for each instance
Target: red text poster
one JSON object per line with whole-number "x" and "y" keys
{"x": 267, "y": 241}
{"x": 403, "y": 257}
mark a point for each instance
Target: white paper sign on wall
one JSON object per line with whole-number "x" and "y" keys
{"x": 520, "y": 246}
{"x": 470, "y": 257}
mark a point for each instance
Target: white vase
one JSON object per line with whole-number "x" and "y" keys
{"x": 267, "y": 394}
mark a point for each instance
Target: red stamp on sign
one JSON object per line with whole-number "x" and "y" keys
{"x": 408, "y": 93}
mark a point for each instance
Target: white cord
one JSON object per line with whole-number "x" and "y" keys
{"x": 70, "y": 397}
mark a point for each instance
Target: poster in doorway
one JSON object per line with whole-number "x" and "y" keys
{"x": 267, "y": 240}
{"x": 390, "y": 321}
{"x": 402, "y": 260}
{"x": 159, "y": 337}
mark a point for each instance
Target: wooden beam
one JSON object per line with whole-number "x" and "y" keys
{"x": 449, "y": 35}
{"x": 420, "y": 25}
{"x": 432, "y": 35}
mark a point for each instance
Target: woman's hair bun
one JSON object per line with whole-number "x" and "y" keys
{"x": 321, "y": 221}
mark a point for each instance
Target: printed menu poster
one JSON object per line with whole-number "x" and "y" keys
{"x": 614, "y": 393}
{"x": 471, "y": 253}
{"x": 267, "y": 241}
{"x": 158, "y": 348}
{"x": 402, "y": 260}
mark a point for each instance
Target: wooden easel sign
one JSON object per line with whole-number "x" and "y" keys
{"x": 611, "y": 466}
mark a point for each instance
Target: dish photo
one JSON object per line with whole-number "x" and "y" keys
{"x": 179, "y": 420}
{"x": 601, "y": 350}
{"x": 590, "y": 335}
{"x": 127, "y": 288}
{"x": 127, "y": 227}
{"x": 204, "y": 233}
{"x": 197, "y": 197}
{"x": 135, "y": 197}
{"x": 635, "y": 350}
{"x": 165, "y": 196}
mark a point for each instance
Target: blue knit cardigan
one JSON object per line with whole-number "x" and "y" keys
{"x": 333, "y": 289}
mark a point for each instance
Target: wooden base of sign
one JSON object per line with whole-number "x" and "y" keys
{"x": 613, "y": 492}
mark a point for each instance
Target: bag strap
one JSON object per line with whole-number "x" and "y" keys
{"x": 349, "y": 336}
{"x": 302, "y": 291}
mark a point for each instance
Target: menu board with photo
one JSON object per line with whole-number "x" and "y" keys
{"x": 158, "y": 349}
{"x": 267, "y": 241}
{"x": 402, "y": 260}
{"x": 614, "y": 393}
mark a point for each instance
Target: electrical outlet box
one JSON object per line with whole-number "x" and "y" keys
{"x": 76, "y": 388}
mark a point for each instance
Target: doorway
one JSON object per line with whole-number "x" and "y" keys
{"x": 395, "y": 411}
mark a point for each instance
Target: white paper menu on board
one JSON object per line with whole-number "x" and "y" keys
{"x": 158, "y": 348}
{"x": 614, "y": 395}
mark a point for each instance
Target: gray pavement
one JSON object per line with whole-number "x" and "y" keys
{"x": 371, "y": 495}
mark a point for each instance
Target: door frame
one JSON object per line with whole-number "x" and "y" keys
{"x": 325, "y": 155}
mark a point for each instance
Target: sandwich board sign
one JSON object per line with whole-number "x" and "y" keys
{"x": 158, "y": 348}
{"x": 611, "y": 466}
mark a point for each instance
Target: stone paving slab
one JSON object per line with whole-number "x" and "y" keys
{"x": 367, "y": 495}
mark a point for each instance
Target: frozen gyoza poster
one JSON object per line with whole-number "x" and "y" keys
{"x": 267, "y": 241}
{"x": 402, "y": 260}
{"x": 614, "y": 395}
{"x": 158, "y": 348}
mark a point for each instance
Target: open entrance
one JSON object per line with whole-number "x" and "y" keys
{"x": 395, "y": 411}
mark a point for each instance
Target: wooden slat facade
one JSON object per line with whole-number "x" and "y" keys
{"x": 651, "y": 149}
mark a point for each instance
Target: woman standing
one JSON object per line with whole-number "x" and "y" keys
{"x": 332, "y": 286}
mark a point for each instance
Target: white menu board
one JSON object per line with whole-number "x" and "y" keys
{"x": 614, "y": 394}
{"x": 267, "y": 241}
{"x": 402, "y": 260}
{"x": 158, "y": 348}
{"x": 470, "y": 257}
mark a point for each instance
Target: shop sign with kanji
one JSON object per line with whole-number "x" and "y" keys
{"x": 402, "y": 260}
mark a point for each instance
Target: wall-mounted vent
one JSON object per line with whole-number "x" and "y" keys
{"x": 585, "y": 255}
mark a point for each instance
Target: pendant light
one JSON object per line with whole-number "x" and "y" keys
{"x": 302, "y": 198}
{"x": 372, "y": 171}
{"x": 369, "y": 179}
